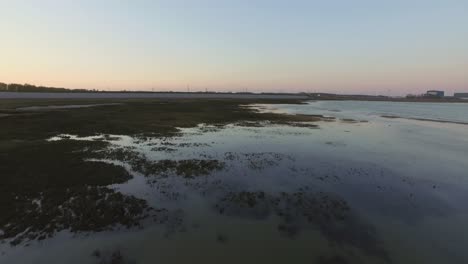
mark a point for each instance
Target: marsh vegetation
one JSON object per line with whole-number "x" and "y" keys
{"x": 48, "y": 186}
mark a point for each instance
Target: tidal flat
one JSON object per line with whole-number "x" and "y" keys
{"x": 252, "y": 181}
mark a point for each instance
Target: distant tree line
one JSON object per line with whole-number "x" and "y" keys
{"x": 15, "y": 87}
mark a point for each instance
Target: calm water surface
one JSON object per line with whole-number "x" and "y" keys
{"x": 381, "y": 191}
{"x": 450, "y": 112}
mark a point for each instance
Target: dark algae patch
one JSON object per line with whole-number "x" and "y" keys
{"x": 185, "y": 168}
{"x": 48, "y": 187}
{"x": 188, "y": 168}
{"x": 332, "y": 260}
{"x": 352, "y": 121}
{"x": 257, "y": 161}
{"x": 110, "y": 257}
{"x": 81, "y": 210}
{"x": 306, "y": 209}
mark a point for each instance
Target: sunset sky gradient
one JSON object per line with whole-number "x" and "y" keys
{"x": 362, "y": 46}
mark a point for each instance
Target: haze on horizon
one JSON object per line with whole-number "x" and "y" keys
{"x": 374, "y": 47}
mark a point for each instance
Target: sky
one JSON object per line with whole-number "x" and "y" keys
{"x": 361, "y": 46}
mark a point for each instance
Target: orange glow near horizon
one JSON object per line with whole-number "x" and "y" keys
{"x": 399, "y": 49}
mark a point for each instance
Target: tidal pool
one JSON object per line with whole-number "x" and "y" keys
{"x": 359, "y": 189}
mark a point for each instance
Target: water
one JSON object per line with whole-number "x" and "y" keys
{"x": 447, "y": 112}
{"x": 382, "y": 191}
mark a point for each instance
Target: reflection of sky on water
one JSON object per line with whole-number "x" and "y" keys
{"x": 404, "y": 179}
{"x": 455, "y": 112}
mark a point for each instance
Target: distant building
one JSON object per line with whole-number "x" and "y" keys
{"x": 435, "y": 93}
{"x": 461, "y": 95}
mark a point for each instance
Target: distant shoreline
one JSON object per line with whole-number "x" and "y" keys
{"x": 144, "y": 95}
{"x": 339, "y": 97}
{"x": 217, "y": 95}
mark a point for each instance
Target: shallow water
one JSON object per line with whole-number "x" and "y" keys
{"x": 448, "y": 112}
{"x": 383, "y": 191}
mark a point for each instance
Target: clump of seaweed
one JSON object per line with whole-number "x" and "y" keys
{"x": 191, "y": 145}
{"x": 185, "y": 168}
{"x": 188, "y": 168}
{"x": 49, "y": 186}
{"x": 163, "y": 149}
{"x": 302, "y": 209}
{"x": 109, "y": 257}
{"x": 78, "y": 210}
{"x": 246, "y": 204}
{"x": 257, "y": 161}
{"x": 221, "y": 238}
{"x": 352, "y": 121}
{"x": 332, "y": 260}
{"x": 303, "y": 124}
{"x": 124, "y": 154}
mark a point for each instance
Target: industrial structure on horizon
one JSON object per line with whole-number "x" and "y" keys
{"x": 461, "y": 95}
{"x": 435, "y": 93}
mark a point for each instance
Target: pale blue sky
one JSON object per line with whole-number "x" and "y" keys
{"x": 363, "y": 46}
